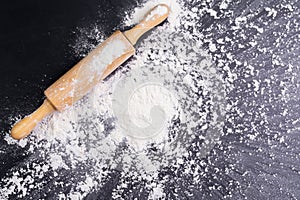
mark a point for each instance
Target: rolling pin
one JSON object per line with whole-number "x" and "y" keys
{"x": 96, "y": 66}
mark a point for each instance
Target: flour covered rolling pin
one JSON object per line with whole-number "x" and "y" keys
{"x": 96, "y": 66}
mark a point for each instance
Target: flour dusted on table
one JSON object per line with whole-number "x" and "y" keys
{"x": 155, "y": 101}
{"x": 142, "y": 119}
{"x": 152, "y": 130}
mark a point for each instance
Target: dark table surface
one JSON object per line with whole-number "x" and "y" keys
{"x": 37, "y": 40}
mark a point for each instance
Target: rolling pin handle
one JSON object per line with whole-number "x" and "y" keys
{"x": 24, "y": 127}
{"x": 153, "y": 18}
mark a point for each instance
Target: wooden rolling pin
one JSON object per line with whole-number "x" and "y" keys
{"x": 96, "y": 66}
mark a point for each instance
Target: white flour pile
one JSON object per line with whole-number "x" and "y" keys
{"x": 146, "y": 131}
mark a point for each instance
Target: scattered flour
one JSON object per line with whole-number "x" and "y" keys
{"x": 212, "y": 47}
{"x": 143, "y": 107}
{"x": 151, "y": 126}
{"x": 271, "y": 12}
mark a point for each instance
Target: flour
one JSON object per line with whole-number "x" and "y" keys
{"x": 271, "y": 12}
{"x": 153, "y": 102}
{"x": 141, "y": 102}
{"x": 212, "y": 47}
{"x": 154, "y": 127}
